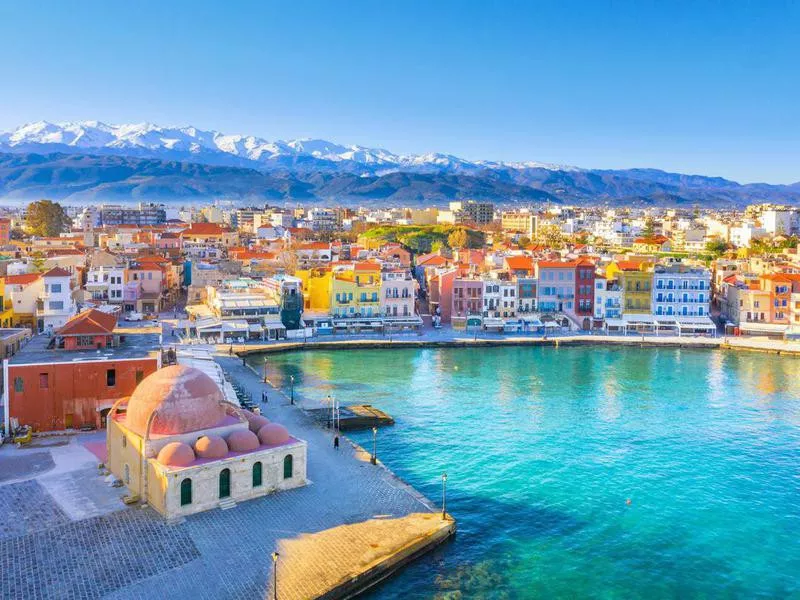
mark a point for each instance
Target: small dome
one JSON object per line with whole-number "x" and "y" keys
{"x": 273, "y": 434}
{"x": 255, "y": 422}
{"x": 211, "y": 446}
{"x": 242, "y": 440}
{"x": 184, "y": 399}
{"x": 176, "y": 454}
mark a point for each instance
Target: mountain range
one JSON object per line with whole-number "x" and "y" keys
{"x": 90, "y": 161}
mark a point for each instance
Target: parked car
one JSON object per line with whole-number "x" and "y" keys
{"x": 134, "y": 316}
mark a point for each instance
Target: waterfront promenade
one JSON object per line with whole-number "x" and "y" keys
{"x": 442, "y": 338}
{"x": 51, "y": 549}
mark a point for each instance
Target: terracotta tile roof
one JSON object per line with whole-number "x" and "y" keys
{"x": 629, "y": 265}
{"x": 57, "y": 272}
{"x": 557, "y": 264}
{"x": 90, "y": 322}
{"x": 431, "y": 260}
{"x": 366, "y": 266}
{"x": 656, "y": 239}
{"x": 519, "y": 263}
{"x": 314, "y": 246}
{"x": 205, "y": 229}
{"x": 24, "y": 279}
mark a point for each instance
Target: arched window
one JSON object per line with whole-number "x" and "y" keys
{"x": 288, "y": 467}
{"x": 257, "y": 474}
{"x": 225, "y": 483}
{"x": 127, "y": 474}
{"x": 186, "y": 492}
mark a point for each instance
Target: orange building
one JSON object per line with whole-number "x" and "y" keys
{"x": 72, "y": 379}
{"x": 5, "y": 231}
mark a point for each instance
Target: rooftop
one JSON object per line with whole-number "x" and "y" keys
{"x": 133, "y": 344}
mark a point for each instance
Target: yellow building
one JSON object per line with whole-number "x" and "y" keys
{"x": 6, "y": 307}
{"x": 316, "y": 288}
{"x": 636, "y": 280}
{"x": 356, "y": 290}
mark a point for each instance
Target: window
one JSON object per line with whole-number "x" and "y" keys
{"x": 56, "y": 305}
{"x": 186, "y": 492}
{"x": 257, "y": 474}
{"x": 85, "y": 340}
{"x": 225, "y": 483}
{"x": 18, "y": 384}
{"x": 44, "y": 382}
{"x": 111, "y": 377}
{"x": 55, "y": 288}
{"x": 288, "y": 467}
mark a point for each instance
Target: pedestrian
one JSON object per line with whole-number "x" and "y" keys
{"x": 336, "y": 442}
{"x": 230, "y": 350}
{"x": 264, "y": 397}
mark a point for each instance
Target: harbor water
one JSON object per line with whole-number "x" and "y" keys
{"x": 589, "y": 471}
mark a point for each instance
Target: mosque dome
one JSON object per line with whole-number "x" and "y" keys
{"x": 176, "y": 454}
{"x": 273, "y": 434}
{"x": 242, "y": 440}
{"x": 184, "y": 399}
{"x": 211, "y": 446}
{"x": 254, "y": 421}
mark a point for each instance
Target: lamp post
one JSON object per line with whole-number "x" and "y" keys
{"x": 275, "y": 556}
{"x": 291, "y": 378}
{"x": 374, "y": 459}
{"x": 330, "y": 420}
{"x": 265, "y": 369}
{"x": 444, "y": 496}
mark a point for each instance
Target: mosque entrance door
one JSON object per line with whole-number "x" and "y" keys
{"x": 225, "y": 483}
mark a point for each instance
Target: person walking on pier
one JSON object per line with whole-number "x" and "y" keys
{"x": 336, "y": 442}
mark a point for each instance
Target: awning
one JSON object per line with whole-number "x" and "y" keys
{"x": 274, "y": 325}
{"x": 772, "y": 328}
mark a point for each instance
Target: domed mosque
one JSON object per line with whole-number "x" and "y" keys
{"x": 179, "y": 445}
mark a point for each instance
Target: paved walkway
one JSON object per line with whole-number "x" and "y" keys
{"x": 448, "y": 337}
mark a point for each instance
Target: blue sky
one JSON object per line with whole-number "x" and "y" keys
{"x": 698, "y": 87}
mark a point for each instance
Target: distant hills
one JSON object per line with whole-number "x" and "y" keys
{"x": 90, "y": 161}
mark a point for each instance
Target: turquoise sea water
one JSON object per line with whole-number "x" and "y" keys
{"x": 543, "y": 446}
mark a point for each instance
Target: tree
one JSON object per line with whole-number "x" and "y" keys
{"x": 649, "y": 228}
{"x": 524, "y": 241}
{"x": 550, "y": 235}
{"x": 46, "y": 218}
{"x": 457, "y": 239}
{"x": 716, "y": 247}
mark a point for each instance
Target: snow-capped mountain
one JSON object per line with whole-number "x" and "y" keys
{"x": 189, "y": 143}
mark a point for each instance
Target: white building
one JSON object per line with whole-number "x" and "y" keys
{"x": 55, "y": 305}
{"x": 607, "y": 299}
{"x": 492, "y": 298}
{"x": 508, "y": 295}
{"x": 323, "y": 219}
{"x": 781, "y": 221}
{"x": 105, "y": 283}
{"x": 744, "y": 234}
{"x": 681, "y": 291}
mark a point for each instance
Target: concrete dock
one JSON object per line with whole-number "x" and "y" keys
{"x": 358, "y": 556}
{"x": 352, "y": 417}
